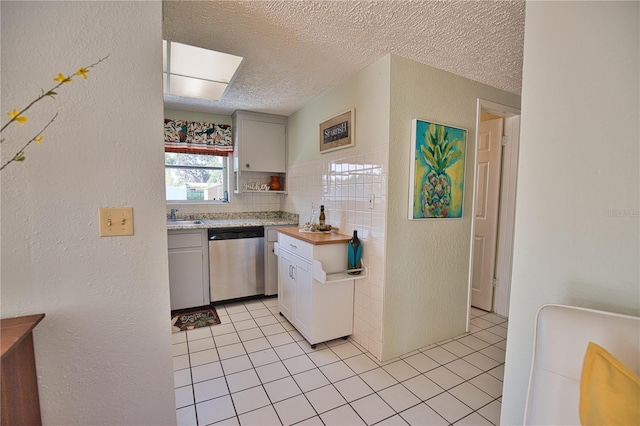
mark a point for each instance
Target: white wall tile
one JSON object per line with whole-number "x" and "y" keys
{"x": 344, "y": 183}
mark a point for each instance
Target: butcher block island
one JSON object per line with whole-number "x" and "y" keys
{"x": 315, "y": 291}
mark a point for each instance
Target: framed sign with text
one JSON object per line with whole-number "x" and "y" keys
{"x": 337, "y": 132}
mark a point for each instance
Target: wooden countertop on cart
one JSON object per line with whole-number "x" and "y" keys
{"x": 316, "y": 238}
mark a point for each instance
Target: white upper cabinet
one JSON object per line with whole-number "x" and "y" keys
{"x": 260, "y": 142}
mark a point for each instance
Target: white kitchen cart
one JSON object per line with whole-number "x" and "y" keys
{"x": 315, "y": 292}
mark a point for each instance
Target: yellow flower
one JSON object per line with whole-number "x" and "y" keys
{"x": 15, "y": 115}
{"x": 82, "y": 72}
{"x": 18, "y": 117}
{"x": 62, "y": 79}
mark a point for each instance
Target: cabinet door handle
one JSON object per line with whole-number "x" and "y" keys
{"x": 293, "y": 246}
{"x": 247, "y": 165}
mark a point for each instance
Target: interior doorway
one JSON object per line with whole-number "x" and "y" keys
{"x": 487, "y": 200}
{"x": 495, "y": 175}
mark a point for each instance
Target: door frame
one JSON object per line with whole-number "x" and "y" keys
{"x": 506, "y": 215}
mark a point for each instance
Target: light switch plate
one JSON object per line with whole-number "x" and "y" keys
{"x": 116, "y": 221}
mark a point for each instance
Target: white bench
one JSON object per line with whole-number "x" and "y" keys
{"x": 560, "y": 342}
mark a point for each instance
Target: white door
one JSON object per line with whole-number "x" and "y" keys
{"x": 486, "y": 220}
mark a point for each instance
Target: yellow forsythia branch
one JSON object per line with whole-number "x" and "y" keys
{"x": 16, "y": 116}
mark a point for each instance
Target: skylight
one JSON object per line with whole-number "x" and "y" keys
{"x": 194, "y": 72}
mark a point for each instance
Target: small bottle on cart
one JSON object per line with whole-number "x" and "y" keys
{"x": 321, "y": 220}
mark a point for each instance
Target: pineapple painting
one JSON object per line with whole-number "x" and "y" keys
{"x": 438, "y": 170}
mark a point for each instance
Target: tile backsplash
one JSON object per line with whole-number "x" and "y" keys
{"x": 352, "y": 187}
{"x": 238, "y": 203}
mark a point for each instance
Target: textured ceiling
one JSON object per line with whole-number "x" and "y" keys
{"x": 295, "y": 50}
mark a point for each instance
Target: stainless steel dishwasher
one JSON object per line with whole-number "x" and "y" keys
{"x": 236, "y": 262}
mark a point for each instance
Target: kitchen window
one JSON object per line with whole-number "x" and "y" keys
{"x": 196, "y": 178}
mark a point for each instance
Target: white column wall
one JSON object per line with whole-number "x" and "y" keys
{"x": 577, "y": 227}
{"x": 104, "y": 348}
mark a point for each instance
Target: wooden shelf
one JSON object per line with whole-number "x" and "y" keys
{"x": 320, "y": 275}
{"x": 249, "y": 191}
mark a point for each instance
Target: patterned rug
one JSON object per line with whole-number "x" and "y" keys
{"x": 189, "y": 320}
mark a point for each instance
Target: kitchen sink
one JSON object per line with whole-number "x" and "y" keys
{"x": 183, "y": 222}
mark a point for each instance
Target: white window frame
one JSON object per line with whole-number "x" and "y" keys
{"x": 225, "y": 182}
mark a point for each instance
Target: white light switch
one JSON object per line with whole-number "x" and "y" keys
{"x": 115, "y": 221}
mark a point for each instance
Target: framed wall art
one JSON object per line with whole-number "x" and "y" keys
{"x": 436, "y": 185}
{"x": 338, "y": 132}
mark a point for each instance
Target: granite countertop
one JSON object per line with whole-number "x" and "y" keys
{"x": 232, "y": 220}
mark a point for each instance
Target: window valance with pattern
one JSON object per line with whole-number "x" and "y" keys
{"x": 193, "y": 137}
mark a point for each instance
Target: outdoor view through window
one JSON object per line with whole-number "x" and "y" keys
{"x": 192, "y": 177}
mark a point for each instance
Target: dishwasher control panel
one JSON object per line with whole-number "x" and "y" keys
{"x": 236, "y": 233}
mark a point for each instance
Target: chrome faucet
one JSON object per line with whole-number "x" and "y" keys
{"x": 173, "y": 214}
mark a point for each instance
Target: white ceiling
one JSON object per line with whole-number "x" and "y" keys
{"x": 295, "y": 50}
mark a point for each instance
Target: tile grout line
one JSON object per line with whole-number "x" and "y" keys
{"x": 193, "y": 389}
{"x": 342, "y": 359}
{"x": 374, "y": 392}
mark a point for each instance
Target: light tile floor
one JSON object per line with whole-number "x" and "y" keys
{"x": 255, "y": 369}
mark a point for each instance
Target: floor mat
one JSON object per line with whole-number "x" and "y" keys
{"x": 189, "y": 320}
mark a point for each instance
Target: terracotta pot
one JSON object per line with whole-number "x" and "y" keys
{"x": 274, "y": 185}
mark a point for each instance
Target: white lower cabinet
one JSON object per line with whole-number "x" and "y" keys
{"x": 286, "y": 283}
{"x": 318, "y": 307}
{"x": 188, "y": 269}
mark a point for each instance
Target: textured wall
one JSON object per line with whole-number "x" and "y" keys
{"x": 197, "y": 116}
{"x": 103, "y": 350}
{"x": 342, "y": 180}
{"x": 577, "y": 230}
{"x": 367, "y": 92}
{"x": 427, "y": 261}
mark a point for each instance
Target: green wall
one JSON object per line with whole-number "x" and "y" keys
{"x": 427, "y": 261}
{"x": 367, "y": 92}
